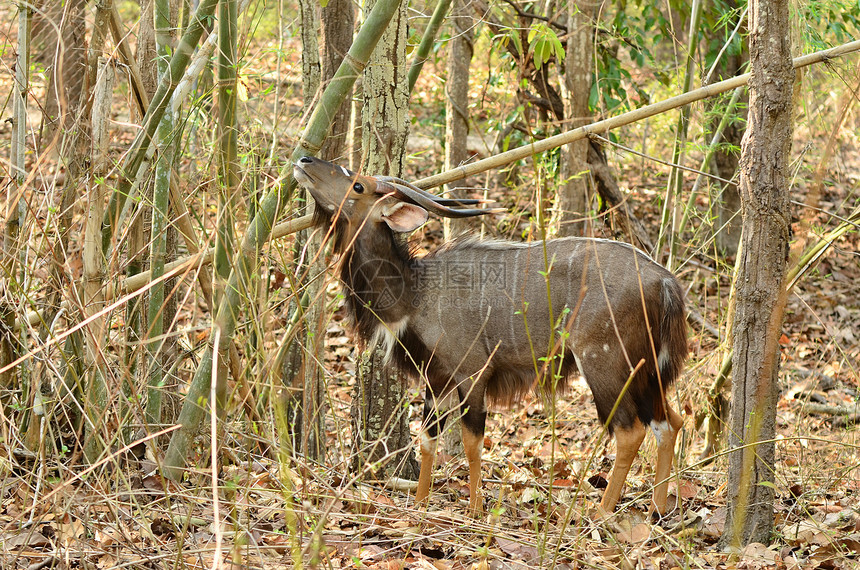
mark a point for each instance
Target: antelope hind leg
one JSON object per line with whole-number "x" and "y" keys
{"x": 665, "y": 432}
{"x": 473, "y": 444}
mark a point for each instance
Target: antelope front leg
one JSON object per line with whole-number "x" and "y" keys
{"x": 473, "y": 423}
{"x": 431, "y": 427}
{"x": 428, "y": 459}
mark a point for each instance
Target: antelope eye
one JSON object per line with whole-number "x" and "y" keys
{"x": 358, "y": 187}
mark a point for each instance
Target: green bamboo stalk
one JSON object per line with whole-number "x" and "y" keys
{"x": 673, "y": 188}
{"x": 194, "y": 407}
{"x": 427, "y": 40}
{"x": 228, "y": 177}
{"x": 130, "y": 165}
{"x": 160, "y": 216}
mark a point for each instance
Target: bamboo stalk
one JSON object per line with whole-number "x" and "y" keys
{"x": 709, "y": 155}
{"x": 228, "y": 175}
{"x": 427, "y": 41}
{"x": 669, "y": 216}
{"x": 95, "y": 404}
{"x": 160, "y": 217}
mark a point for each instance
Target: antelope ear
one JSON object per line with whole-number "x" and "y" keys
{"x": 404, "y": 217}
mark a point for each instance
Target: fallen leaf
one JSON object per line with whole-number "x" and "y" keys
{"x": 636, "y": 534}
{"x": 516, "y": 549}
{"x": 29, "y": 539}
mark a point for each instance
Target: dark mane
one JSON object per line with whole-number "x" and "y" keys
{"x": 366, "y": 305}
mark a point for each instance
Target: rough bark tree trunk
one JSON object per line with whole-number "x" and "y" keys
{"x": 310, "y": 53}
{"x": 65, "y": 58}
{"x": 302, "y": 365}
{"x": 460, "y": 51}
{"x": 308, "y": 405}
{"x": 338, "y": 22}
{"x": 380, "y": 425}
{"x": 570, "y": 217}
{"x": 760, "y": 297}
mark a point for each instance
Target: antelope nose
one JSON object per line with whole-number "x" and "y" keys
{"x": 306, "y": 160}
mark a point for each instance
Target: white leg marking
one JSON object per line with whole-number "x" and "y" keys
{"x": 427, "y": 443}
{"x": 660, "y": 429}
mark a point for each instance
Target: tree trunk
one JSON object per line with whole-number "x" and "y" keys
{"x": 460, "y": 50}
{"x": 385, "y": 112}
{"x": 303, "y": 369}
{"x": 338, "y": 22}
{"x": 65, "y": 59}
{"x": 760, "y": 297}
{"x": 380, "y": 423}
{"x": 574, "y": 191}
{"x": 457, "y": 102}
{"x": 380, "y": 418}
{"x": 146, "y": 59}
{"x": 306, "y": 407}
{"x": 260, "y": 228}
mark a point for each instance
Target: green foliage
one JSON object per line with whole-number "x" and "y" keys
{"x": 825, "y": 23}
{"x": 636, "y": 29}
{"x": 544, "y": 44}
{"x": 720, "y": 21}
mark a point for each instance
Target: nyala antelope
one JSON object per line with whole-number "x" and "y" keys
{"x": 481, "y": 320}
